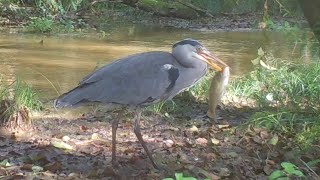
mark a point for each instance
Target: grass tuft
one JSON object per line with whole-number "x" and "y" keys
{"x": 286, "y": 97}
{"x": 16, "y": 101}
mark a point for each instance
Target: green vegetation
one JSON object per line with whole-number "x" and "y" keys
{"x": 289, "y": 170}
{"x": 179, "y": 176}
{"x": 16, "y": 100}
{"x": 40, "y": 25}
{"x": 293, "y": 87}
{"x": 286, "y": 97}
{"x": 67, "y": 16}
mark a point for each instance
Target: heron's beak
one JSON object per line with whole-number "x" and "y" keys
{"x": 216, "y": 63}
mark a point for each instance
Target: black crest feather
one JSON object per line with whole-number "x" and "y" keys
{"x": 187, "y": 41}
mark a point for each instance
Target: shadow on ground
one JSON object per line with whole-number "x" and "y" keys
{"x": 80, "y": 148}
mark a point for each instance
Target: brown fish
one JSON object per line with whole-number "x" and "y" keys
{"x": 218, "y": 86}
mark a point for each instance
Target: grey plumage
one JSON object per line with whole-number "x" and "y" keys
{"x": 143, "y": 79}
{"x": 138, "y": 80}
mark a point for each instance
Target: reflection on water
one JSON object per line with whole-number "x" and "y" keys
{"x": 64, "y": 61}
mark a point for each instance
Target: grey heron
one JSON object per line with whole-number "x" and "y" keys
{"x": 143, "y": 79}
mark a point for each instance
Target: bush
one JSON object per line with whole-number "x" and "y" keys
{"x": 40, "y": 25}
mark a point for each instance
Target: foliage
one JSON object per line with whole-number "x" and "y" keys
{"x": 294, "y": 87}
{"x": 282, "y": 7}
{"x": 289, "y": 170}
{"x": 179, "y": 176}
{"x": 288, "y": 95}
{"x": 26, "y": 96}
{"x": 40, "y": 25}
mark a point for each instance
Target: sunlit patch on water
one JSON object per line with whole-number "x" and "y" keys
{"x": 63, "y": 61}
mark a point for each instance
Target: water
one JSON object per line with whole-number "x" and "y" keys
{"x": 63, "y": 61}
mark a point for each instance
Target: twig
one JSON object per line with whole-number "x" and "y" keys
{"x": 47, "y": 80}
{"x": 310, "y": 169}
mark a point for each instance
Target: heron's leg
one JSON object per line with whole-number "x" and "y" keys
{"x": 114, "y": 139}
{"x": 139, "y": 136}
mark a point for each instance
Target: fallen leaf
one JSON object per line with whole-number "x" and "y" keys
{"x": 83, "y": 128}
{"x": 267, "y": 169}
{"x": 37, "y": 169}
{"x": 61, "y": 145}
{"x": 95, "y": 136}
{"x": 210, "y": 156}
{"x": 274, "y": 140}
{"x": 264, "y": 134}
{"x": 215, "y": 141}
{"x": 194, "y": 129}
{"x": 168, "y": 143}
{"x": 66, "y": 138}
{"x": 73, "y": 175}
{"x": 201, "y": 141}
{"x": 257, "y": 140}
{"x": 222, "y": 126}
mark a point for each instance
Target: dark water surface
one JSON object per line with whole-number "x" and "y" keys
{"x": 63, "y": 61}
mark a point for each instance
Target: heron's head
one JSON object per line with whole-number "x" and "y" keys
{"x": 198, "y": 51}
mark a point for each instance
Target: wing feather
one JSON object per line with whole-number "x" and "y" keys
{"x": 139, "y": 79}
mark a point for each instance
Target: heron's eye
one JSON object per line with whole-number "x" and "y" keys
{"x": 199, "y": 48}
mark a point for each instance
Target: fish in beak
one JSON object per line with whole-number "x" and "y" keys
{"x": 213, "y": 61}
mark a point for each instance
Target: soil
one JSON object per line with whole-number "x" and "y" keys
{"x": 80, "y": 148}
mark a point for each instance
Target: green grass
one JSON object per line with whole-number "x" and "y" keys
{"x": 26, "y": 96}
{"x": 40, "y": 25}
{"x": 286, "y": 99}
{"x": 294, "y": 87}
{"x": 16, "y": 99}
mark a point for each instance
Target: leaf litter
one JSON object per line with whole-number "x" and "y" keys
{"x": 81, "y": 149}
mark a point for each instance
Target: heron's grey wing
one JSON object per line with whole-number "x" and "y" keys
{"x": 136, "y": 80}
